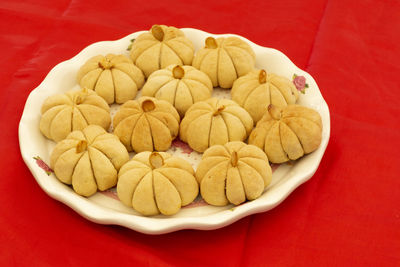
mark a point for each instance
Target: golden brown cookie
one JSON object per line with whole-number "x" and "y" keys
{"x": 257, "y": 90}
{"x": 224, "y": 60}
{"x": 179, "y": 85}
{"x": 113, "y": 77}
{"x": 89, "y": 160}
{"x": 160, "y": 47}
{"x": 156, "y": 182}
{"x": 214, "y": 122}
{"x": 146, "y": 124}
{"x": 233, "y": 173}
{"x": 74, "y": 110}
{"x": 287, "y": 133}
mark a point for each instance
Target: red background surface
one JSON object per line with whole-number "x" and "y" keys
{"x": 348, "y": 214}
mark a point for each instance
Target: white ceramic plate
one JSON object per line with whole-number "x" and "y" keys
{"x": 104, "y": 207}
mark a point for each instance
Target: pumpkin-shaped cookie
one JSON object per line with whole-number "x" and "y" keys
{"x": 224, "y": 60}
{"x": 160, "y": 47}
{"x": 113, "y": 77}
{"x": 74, "y": 110}
{"x": 232, "y": 173}
{"x": 179, "y": 85}
{"x": 257, "y": 90}
{"x": 287, "y": 133}
{"x": 89, "y": 160}
{"x": 156, "y": 182}
{"x": 214, "y": 122}
{"x": 146, "y": 124}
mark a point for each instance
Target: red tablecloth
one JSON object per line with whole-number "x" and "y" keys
{"x": 348, "y": 214}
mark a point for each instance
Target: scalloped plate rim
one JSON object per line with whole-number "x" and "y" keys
{"x": 149, "y": 225}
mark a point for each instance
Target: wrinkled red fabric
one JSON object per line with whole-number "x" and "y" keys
{"x": 347, "y": 214}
